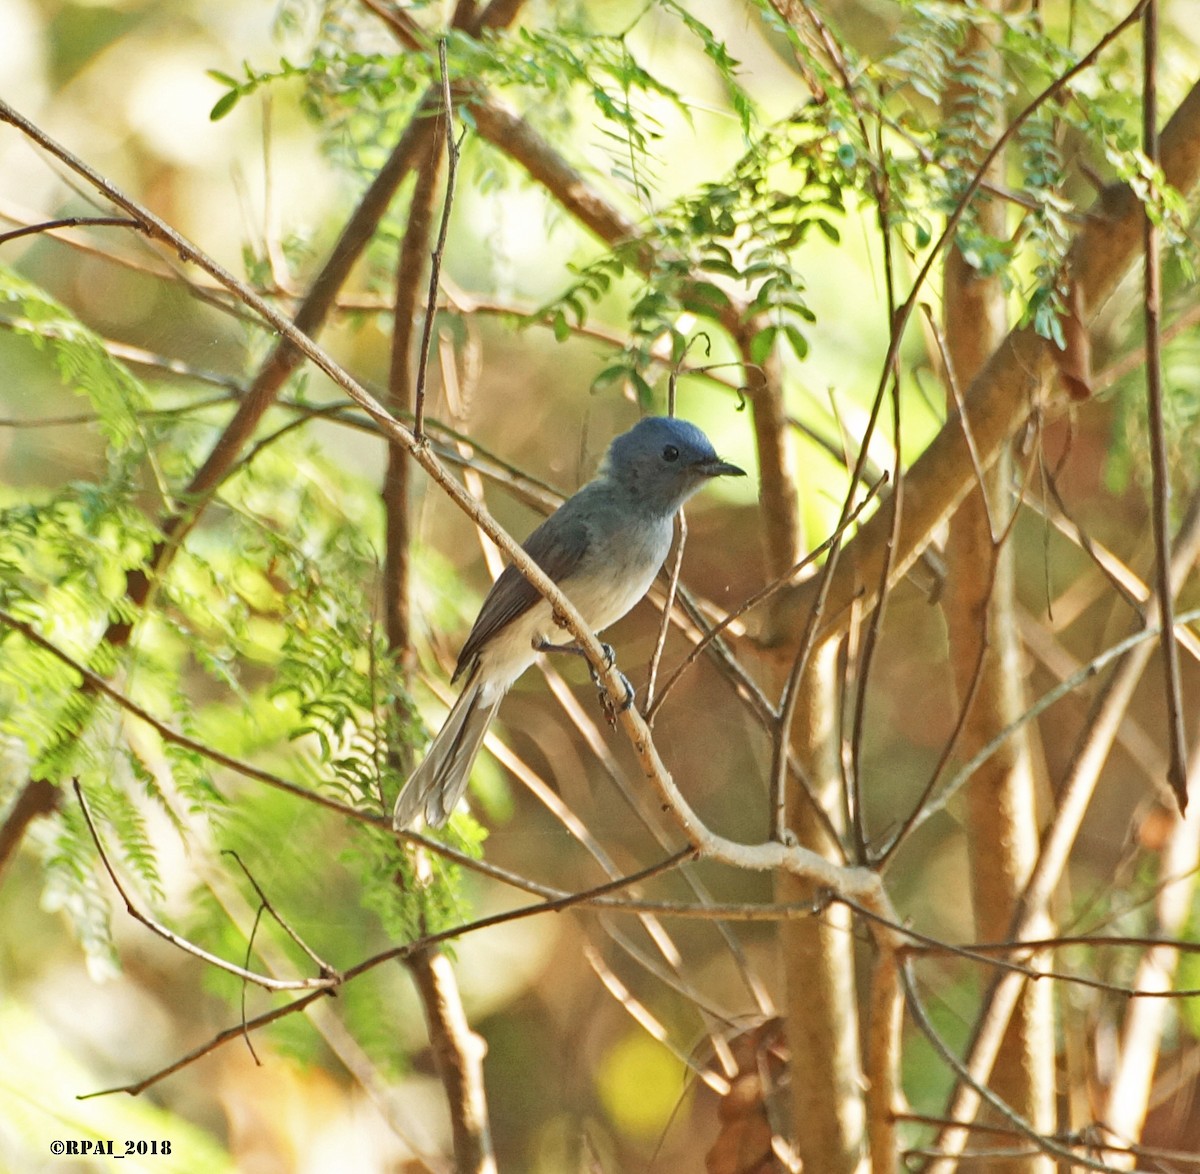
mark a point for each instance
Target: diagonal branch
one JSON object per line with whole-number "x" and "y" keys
{"x": 310, "y": 317}
{"x": 510, "y": 133}
{"x": 282, "y": 362}
{"x": 397, "y": 953}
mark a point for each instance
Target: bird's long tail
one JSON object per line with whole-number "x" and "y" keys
{"x": 436, "y": 786}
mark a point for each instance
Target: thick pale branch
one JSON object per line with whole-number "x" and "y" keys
{"x": 979, "y": 602}
{"x": 458, "y": 1056}
{"x": 1129, "y": 1095}
{"x": 882, "y": 1067}
{"x": 817, "y": 956}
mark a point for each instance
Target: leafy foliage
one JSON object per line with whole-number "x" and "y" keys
{"x": 272, "y": 606}
{"x": 739, "y": 235}
{"x": 83, "y": 364}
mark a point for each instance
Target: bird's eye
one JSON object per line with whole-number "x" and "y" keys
{"x": 670, "y": 453}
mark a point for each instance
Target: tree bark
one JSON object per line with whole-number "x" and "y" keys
{"x": 980, "y": 608}
{"x": 818, "y": 952}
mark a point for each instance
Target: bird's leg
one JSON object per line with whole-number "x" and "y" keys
{"x": 611, "y": 708}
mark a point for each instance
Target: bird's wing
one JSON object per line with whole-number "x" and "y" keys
{"x": 557, "y": 546}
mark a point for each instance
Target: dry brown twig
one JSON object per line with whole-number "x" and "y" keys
{"x": 1160, "y": 515}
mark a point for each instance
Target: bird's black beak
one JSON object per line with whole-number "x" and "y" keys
{"x": 718, "y": 468}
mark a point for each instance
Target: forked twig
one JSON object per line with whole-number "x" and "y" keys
{"x": 396, "y": 953}
{"x": 267, "y": 982}
{"x": 267, "y": 907}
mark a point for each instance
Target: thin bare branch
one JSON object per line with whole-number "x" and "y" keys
{"x": 1068, "y": 686}
{"x": 1160, "y": 514}
{"x": 325, "y": 982}
{"x": 763, "y": 594}
{"x": 67, "y": 222}
{"x": 268, "y": 907}
{"x": 755, "y": 857}
{"x": 664, "y": 626}
{"x": 439, "y": 249}
{"x": 396, "y": 953}
{"x": 1041, "y": 1141}
{"x": 1141, "y": 1040}
{"x": 648, "y": 1021}
{"x": 641, "y": 807}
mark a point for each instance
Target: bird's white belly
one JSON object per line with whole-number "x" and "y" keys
{"x": 601, "y": 599}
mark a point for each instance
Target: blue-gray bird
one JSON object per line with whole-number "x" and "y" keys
{"x": 602, "y": 546}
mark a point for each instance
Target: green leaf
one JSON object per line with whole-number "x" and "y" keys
{"x": 645, "y": 393}
{"x": 797, "y": 341}
{"x": 614, "y": 373}
{"x": 707, "y": 298}
{"x": 761, "y": 344}
{"x": 223, "y": 105}
{"x": 717, "y": 265}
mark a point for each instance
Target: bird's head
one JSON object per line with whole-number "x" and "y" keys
{"x": 663, "y": 461}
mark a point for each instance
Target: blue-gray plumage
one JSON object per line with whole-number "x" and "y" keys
{"x": 602, "y": 546}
